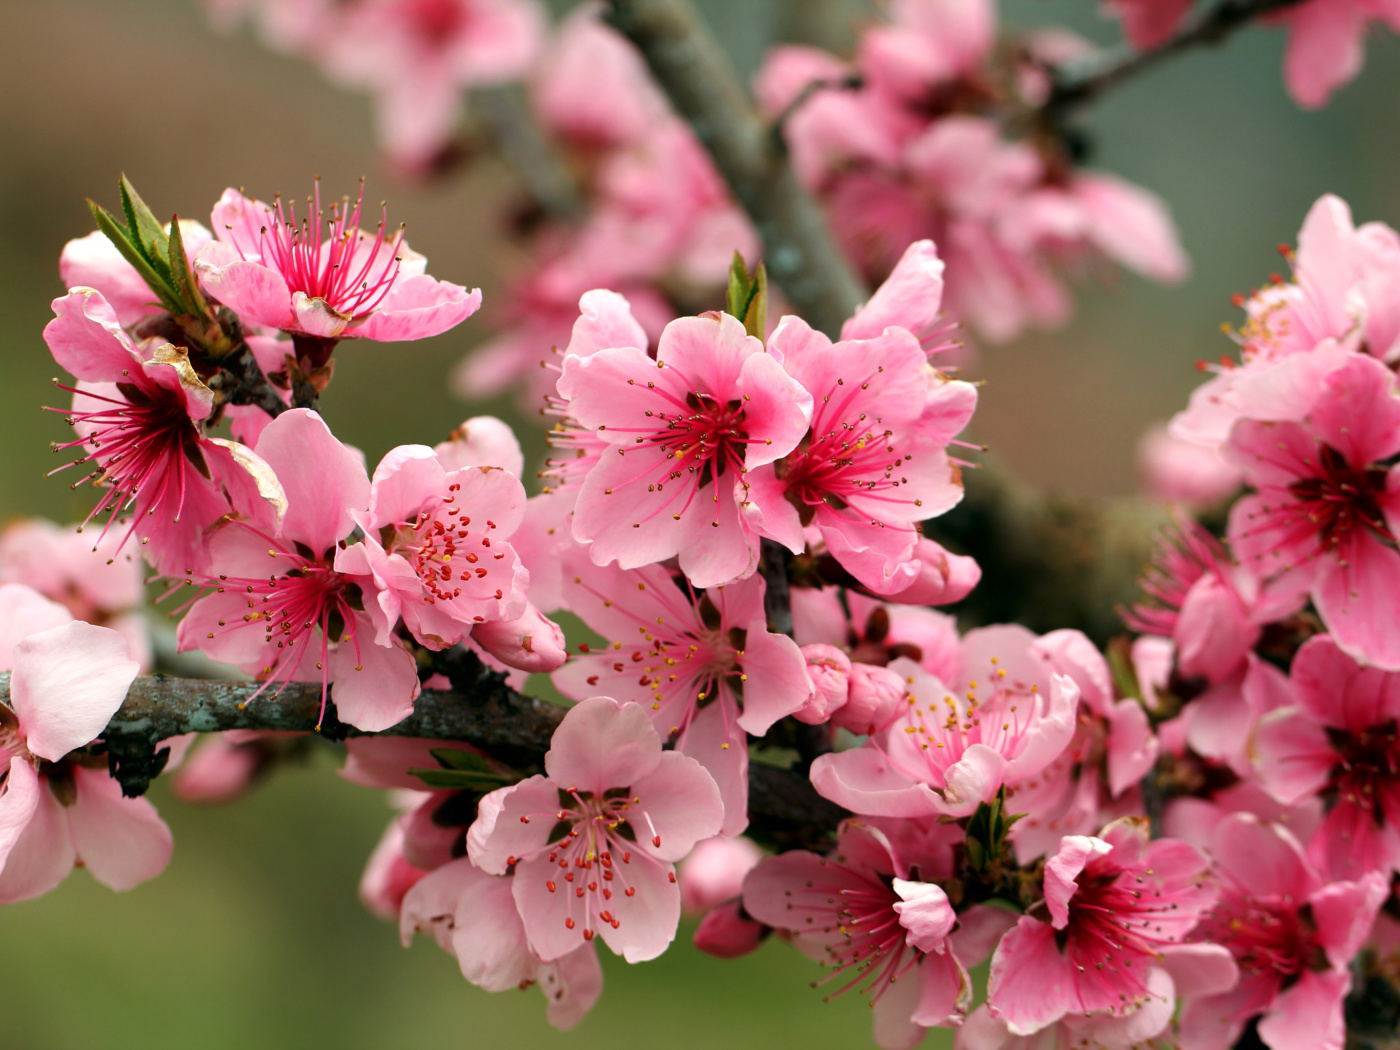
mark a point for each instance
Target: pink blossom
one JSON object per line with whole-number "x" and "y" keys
{"x": 280, "y": 609}
{"x": 1292, "y": 935}
{"x": 271, "y": 268}
{"x": 1114, "y": 903}
{"x": 930, "y": 43}
{"x": 66, "y": 684}
{"x": 1324, "y": 48}
{"x": 1338, "y": 739}
{"x": 713, "y": 406}
{"x": 1178, "y": 471}
{"x": 864, "y": 912}
{"x": 1324, "y": 506}
{"x": 473, "y": 916}
{"x": 482, "y": 441}
{"x": 829, "y": 671}
{"x": 388, "y": 876}
{"x": 948, "y": 750}
{"x": 714, "y": 872}
{"x": 704, "y": 666}
{"x": 1148, "y": 24}
{"x": 607, "y": 820}
{"x": 94, "y": 262}
{"x": 727, "y": 931}
{"x": 437, "y": 551}
{"x": 942, "y": 576}
{"x": 139, "y": 421}
{"x": 877, "y": 632}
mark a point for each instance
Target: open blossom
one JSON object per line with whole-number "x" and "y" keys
{"x": 874, "y": 464}
{"x": 1325, "y": 506}
{"x": 593, "y": 841}
{"x": 273, "y": 269}
{"x": 704, "y": 667}
{"x": 864, "y": 913}
{"x": 437, "y": 547}
{"x": 280, "y": 609}
{"x": 1338, "y": 739}
{"x": 473, "y": 916}
{"x": 1344, "y": 297}
{"x": 947, "y": 750}
{"x": 1114, "y": 903}
{"x": 139, "y": 423}
{"x": 67, "y": 681}
{"x": 686, "y": 429}
{"x": 1292, "y": 935}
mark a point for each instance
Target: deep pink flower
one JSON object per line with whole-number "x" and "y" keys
{"x": 66, "y": 683}
{"x": 1292, "y": 935}
{"x": 866, "y": 914}
{"x": 594, "y": 840}
{"x": 704, "y": 666}
{"x": 1326, "y": 508}
{"x": 1114, "y": 903}
{"x": 948, "y": 750}
{"x": 272, "y": 269}
{"x": 139, "y": 422}
{"x": 686, "y": 429}
{"x": 436, "y": 550}
{"x": 473, "y": 916}
{"x": 1338, "y": 740}
{"x": 279, "y": 609}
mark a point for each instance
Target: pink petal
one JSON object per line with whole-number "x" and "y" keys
{"x": 500, "y": 834}
{"x": 605, "y": 321}
{"x": 375, "y": 685}
{"x": 1261, "y": 856}
{"x": 1345, "y": 912}
{"x": 94, "y": 262}
{"x": 19, "y": 797}
{"x": 67, "y": 684}
{"x": 431, "y": 905}
{"x": 419, "y": 307}
{"x": 979, "y": 930}
{"x": 1336, "y": 691}
{"x": 602, "y": 744}
{"x": 924, "y": 912}
{"x": 1308, "y": 1016}
{"x": 715, "y": 741}
{"x": 1070, "y": 652}
{"x": 681, "y": 804}
{"x": 647, "y": 920}
{"x": 324, "y": 481}
{"x": 24, "y": 611}
{"x": 482, "y": 441}
{"x": 86, "y": 338}
{"x": 1324, "y": 52}
{"x": 911, "y": 297}
{"x": 384, "y": 761}
{"x": 1199, "y": 969}
{"x": 1031, "y": 984}
{"x": 43, "y": 855}
{"x": 863, "y": 781}
{"x": 122, "y": 841}
{"x": 257, "y": 293}
{"x": 488, "y": 937}
{"x": 571, "y": 985}
{"x": 1132, "y": 746}
{"x": 1292, "y": 755}
{"x": 1063, "y": 869}
{"x": 1357, "y": 412}
{"x": 1358, "y": 597}
{"x": 777, "y": 682}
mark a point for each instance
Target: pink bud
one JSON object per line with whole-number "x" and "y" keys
{"x": 714, "y": 872}
{"x": 427, "y": 843}
{"x": 874, "y": 699}
{"x": 531, "y": 643}
{"x": 218, "y": 771}
{"x": 727, "y": 932}
{"x": 388, "y": 876}
{"x": 944, "y": 577}
{"x": 1213, "y": 632}
{"x": 829, "y": 670}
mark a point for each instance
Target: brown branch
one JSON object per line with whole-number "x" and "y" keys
{"x": 1084, "y": 82}
{"x": 702, "y": 86}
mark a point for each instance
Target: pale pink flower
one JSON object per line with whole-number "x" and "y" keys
{"x": 1114, "y": 903}
{"x": 66, "y": 684}
{"x": 686, "y": 429}
{"x": 1148, "y": 24}
{"x": 436, "y": 550}
{"x": 94, "y": 262}
{"x": 1291, "y": 933}
{"x": 473, "y": 916}
{"x": 1179, "y": 471}
{"x": 1338, "y": 739}
{"x": 139, "y": 422}
{"x": 704, "y": 666}
{"x": 594, "y": 840}
{"x": 279, "y": 609}
{"x": 1325, "y": 506}
{"x": 1325, "y": 39}
{"x": 865, "y": 913}
{"x": 388, "y": 876}
{"x": 273, "y": 269}
{"x": 948, "y": 750}
{"x": 714, "y": 872}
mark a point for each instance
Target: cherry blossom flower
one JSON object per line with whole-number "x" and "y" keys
{"x": 273, "y": 270}
{"x": 607, "y": 821}
{"x": 1323, "y": 506}
{"x": 57, "y": 809}
{"x": 704, "y": 667}
{"x": 865, "y": 913}
{"x": 687, "y": 428}
{"x": 139, "y": 422}
{"x": 1338, "y": 739}
{"x": 280, "y": 609}
{"x": 473, "y": 916}
{"x": 877, "y": 632}
{"x": 436, "y": 550}
{"x": 947, "y": 750}
{"x": 1292, "y": 934}
{"x": 1114, "y": 902}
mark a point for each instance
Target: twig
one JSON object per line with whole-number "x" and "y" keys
{"x": 701, "y": 84}
{"x": 518, "y": 137}
{"x": 1085, "y": 81}
{"x": 242, "y": 383}
{"x": 850, "y": 82}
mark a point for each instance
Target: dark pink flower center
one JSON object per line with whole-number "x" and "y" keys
{"x": 1368, "y": 762}
{"x": 440, "y": 546}
{"x": 1264, "y": 934}
{"x": 436, "y": 21}
{"x": 1339, "y": 500}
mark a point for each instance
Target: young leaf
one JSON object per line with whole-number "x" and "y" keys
{"x": 747, "y": 296}
{"x": 461, "y": 779}
{"x": 182, "y": 277}
{"x": 453, "y": 758}
{"x": 121, "y": 239}
{"x": 143, "y": 226}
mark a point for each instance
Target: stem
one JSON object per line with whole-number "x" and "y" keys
{"x": 507, "y": 114}
{"x": 242, "y": 383}
{"x": 1086, "y": 81}
{"x": 689, "y": 65}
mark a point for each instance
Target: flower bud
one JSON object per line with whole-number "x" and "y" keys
{"x": 944, "y": 577}
{"x": 531, "y": 643}
{"x": 727, "y": 932}
{"x": 388, "y": 876}
{"x": 431, "y": 834}
{"x": 829, "y": 670}
{"x": 874, "y": 699}
{"x": 714, "y": 872}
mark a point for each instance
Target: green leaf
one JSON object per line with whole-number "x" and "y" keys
{"x": 461, "y": 779}
{"x": 121, "y": 239}
{"x": 454, "y": 758}
{"x": 181, "y": 276}
{"x": 1120, "y": 665}
{"x": 747, "y": 296}
{"x": 143, "y": 226}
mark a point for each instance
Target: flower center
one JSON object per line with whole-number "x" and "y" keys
{"x": 1367, "y": 765}
{"x": 1341, "y": 500}
{"x": 436, "y": 543}
{"x": 1263, "y": 933}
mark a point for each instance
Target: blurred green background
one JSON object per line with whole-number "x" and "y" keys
{"x": 253, "y": 937}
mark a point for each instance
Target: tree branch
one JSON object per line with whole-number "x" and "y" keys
{"x": 506, "y": 112}
{"x": 797, "y": 247}
{"x": 1083, "y": 82}
{"x": 242, "y": 383}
